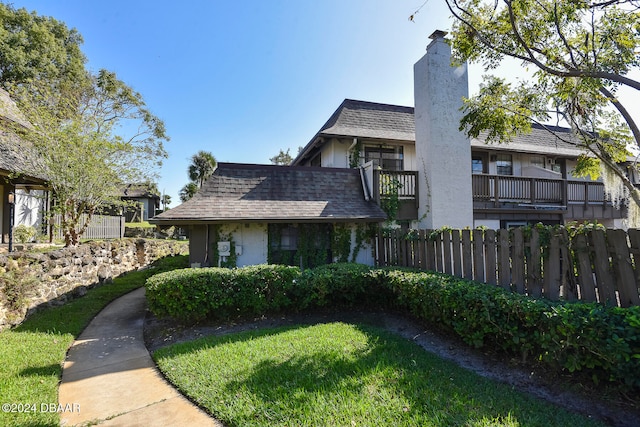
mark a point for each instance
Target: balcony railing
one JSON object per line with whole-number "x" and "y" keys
{"x": 497, "y": 191}
{"x": 535, "y": 191}
{"x": 402, "y": 183}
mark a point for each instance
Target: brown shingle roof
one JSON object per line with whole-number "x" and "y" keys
{"x": 16, "y": 154}
{"x": 371, "y": 120}
{"x": 269, "y": 193}
{"x": 361, "y": 119}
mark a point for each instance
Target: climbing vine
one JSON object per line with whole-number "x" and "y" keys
{"x": 312, "y": 246}
{"x": 354, "y": 155}
{"x": 341, "y": 242}
{"x": 390, "y": 200}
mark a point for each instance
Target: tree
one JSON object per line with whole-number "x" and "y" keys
{"x": 202, "y": 166}
{"x": 84, "y": 159}
{"x": 188, "y": 191}
{"x": 166, "y": 201}
{"x": 282, "y": 158}
{"x": 582, "y": 53}
{"x": 38, "y": 47}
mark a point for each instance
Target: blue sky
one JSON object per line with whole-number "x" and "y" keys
{"x": 243, "y": 79}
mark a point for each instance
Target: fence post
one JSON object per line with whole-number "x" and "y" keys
{"x": 606, "y": 285}
{"x": 478, "y": 255}
{"x": 517, "y": 259}
{"x": 627, "y": 287}
{"x": 457, "y": 253}
{"x": 504, "y": 264}
{"x": 490, "y": 256}
{"x": 466, "y": 254}
{"x": 534, "y": 275}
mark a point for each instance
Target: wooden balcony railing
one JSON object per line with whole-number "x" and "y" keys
{"x": 499, "y": 189}
{"x": 402, "y": 183}
{"x": 535, "y": 191}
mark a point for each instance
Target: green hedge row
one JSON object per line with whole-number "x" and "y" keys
{"x": 602, "y": 341}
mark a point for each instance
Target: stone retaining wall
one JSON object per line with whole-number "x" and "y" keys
{"x": 31, "y": 279}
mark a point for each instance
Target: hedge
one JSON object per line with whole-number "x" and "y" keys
{"x": 592, "y": 338}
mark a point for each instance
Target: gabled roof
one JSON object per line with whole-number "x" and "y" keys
{"x": 370, "y": 120}
{"x": 270, "y": 193}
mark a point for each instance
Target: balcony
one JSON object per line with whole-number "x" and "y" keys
{"x": 404, "y": 184}
{"x": 500, "y": 189}
{"x": 572, "y": 200}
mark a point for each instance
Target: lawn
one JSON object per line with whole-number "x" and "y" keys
{"x": 339, "y": 374}
{"x": 32, "y": 354}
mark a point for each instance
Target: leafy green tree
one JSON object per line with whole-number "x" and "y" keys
{"x": 282, "y": 158}
{"x": 38, "y": 47}
{"x": 202, "y": 166}
{"x": 188, "y": 191}
{"x": 80, "y": 147}
{"x": 582, "y": 53}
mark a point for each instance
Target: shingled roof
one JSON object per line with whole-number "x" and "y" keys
{"x": 362, "y": 119}
{"x": 371, "y": 120}
{"x": 269, "y": 193}
{"x": 16, "y": 154}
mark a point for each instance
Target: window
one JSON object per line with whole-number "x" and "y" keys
{"x": 537, "y": 161}
{"x": 504, "y": 164}
{"x": 477, "y": 164}
{"x": 386, "y": 158}
{"x": 289, "y": 239}
{"x": 304, "y": 245}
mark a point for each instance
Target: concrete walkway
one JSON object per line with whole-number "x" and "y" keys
{"x": 110, "y": 379}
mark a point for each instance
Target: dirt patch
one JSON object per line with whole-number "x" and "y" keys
{"x": 615, "y": 410}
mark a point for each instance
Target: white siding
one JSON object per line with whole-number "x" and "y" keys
{"x": 251, "y": 241}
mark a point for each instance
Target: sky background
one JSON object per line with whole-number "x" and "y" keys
{"x": 244, "y": 79}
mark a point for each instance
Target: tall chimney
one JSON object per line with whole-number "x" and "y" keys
{"x": 443, "y": 152}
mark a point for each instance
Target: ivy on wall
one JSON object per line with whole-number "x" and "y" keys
{"x": 303, "y": 245}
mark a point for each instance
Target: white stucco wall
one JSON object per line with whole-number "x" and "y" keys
{"x": 442, "y": 151}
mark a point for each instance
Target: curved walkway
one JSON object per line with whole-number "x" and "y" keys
{"x": 110, "y": 379}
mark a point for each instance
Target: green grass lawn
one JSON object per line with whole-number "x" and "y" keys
{"x": 340, "y": 374}
{"x": 32, "y": 354}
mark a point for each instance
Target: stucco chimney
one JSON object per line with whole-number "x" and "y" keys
{"x": 443, "y": 152}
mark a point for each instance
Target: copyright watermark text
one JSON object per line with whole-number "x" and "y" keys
{"x": 40, "y": 407}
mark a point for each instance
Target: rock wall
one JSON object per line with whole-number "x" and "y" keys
{"x": 29, "y": 280}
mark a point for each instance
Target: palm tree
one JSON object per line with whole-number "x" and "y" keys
{"x": 166, "y": 201}
{"x": 188, "y": 191}
{"x": 202, "y": 166}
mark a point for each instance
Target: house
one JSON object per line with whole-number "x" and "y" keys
{"x": 440, "y": 177}
{"x": 367, "y": 155}
{"x": 142, "y": 202}
{"x": 248, "y": 214}
{"x": 23, "y": 195}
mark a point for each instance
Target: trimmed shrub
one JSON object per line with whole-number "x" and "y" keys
{"x": 602, "y": 341}
{"x": 340, "y": 285}
{"x": 195, "y": 294}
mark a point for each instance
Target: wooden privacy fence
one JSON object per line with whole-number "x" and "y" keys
{"x": 101, "y": 227}
{"x": 593, "y": 265}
